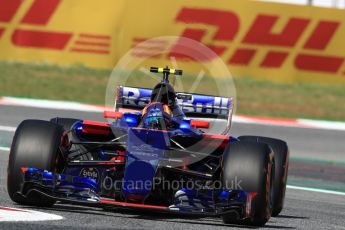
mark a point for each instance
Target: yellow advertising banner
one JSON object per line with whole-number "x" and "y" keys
{"x": 264, "y": 40}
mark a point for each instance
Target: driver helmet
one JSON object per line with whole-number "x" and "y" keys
{"x": 156, "y": 115}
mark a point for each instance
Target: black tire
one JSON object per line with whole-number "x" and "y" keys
{"x": 35, "y": 144}
{"x": 66, "y": 123}
{"x": 252, "y": 166}
{"x": 281, "y": 156}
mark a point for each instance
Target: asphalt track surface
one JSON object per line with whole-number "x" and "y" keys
{"x": 303, "y": 209}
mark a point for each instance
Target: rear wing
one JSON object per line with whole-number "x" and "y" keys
{"x": 193, "y": 105}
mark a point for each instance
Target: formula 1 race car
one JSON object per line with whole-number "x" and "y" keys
{"x": 155, "y": 153}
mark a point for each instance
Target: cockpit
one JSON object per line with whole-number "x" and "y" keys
{"x": 164, "y": 93}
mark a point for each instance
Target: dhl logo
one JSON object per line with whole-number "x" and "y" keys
{"x": 301, "y": 45}
{"x": 259, "y": 34}
{"x": 38, "y": 15}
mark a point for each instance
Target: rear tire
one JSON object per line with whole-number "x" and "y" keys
{"x": 35, "y": 144}
{"x": 250, "y": 166}
{"x": 281, "y": 156}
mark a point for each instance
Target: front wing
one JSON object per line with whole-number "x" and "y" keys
{"x": 84, "y": 191}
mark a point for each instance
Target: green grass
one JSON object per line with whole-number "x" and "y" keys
{"x": 76, "y": 83}
{"x": 300, "y": 100}
{"x": 254, "y": 97}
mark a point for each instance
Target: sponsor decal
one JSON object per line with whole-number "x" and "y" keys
{"x": 290, "y": 45}
{"x": 90, "y": 173}
{"x": 259, "y": 34}
{"x": 37, "y": 16}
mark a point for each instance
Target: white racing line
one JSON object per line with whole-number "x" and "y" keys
{"x": 316, "y": 190}
{"x": 15, "y": 214}
{"x": 4, "y": 148}
{"x": 7, "y": 128}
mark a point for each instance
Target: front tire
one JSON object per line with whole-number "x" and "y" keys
{"x": 251, "y": 164}
{"x": 35, "y": 144}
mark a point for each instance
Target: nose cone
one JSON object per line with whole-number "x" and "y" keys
{"x": 138, "y": 180}
{"x": 145, "y": 150}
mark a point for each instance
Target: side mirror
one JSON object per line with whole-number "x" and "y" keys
{"x": 112, "y": 114}
{"x": 200, "y": 124}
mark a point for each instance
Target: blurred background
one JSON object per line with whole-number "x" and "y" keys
{"x": 288, "y": 54}
{"x": 286, "y": 58}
